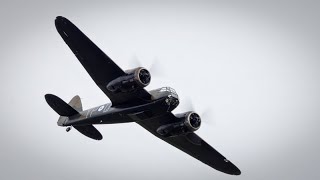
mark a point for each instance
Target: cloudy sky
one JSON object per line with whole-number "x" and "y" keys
{"x": 254, "y": 66}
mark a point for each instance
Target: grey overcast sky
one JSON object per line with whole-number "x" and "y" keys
{"x": 253, "y": 64}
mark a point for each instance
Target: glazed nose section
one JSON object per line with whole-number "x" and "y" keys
{"x": 172, "y": 101}
{"x": 175, "y": 101}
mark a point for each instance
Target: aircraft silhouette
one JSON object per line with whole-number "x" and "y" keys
{"x": 130, "y": 102}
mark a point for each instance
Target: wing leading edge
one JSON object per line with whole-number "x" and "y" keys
{"x": 99, "y": 66}
{"x": 193, "y": 145}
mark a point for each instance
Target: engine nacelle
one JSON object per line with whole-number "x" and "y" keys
{"x": 134, "y": 79}
{"x": 190, "y": 121}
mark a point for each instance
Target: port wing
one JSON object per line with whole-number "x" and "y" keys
{"x": 193, "y": 145}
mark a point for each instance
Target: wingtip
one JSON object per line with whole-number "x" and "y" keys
{"x": 235, "y": 171}
{"x": 60, "y": 21}
{"x": 229, "y": 168}
{"x": 64, "y": 27}
{"x": 60, "y": 18}
{"x": 99, "y": 138}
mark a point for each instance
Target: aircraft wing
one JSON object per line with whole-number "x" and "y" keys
{"x": 192, "y": 144}
{"x": 99, "y": 66}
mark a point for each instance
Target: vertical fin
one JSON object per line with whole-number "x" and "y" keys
{"x": 76, "y": 104}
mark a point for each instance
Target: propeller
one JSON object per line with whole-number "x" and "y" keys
{"x": 144, "y": 76}
{"x": 206, "y": 115}
{"x": 195, "y": 120}
{"x": 155, "y": 68}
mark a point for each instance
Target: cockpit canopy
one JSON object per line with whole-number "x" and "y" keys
{"x": 170, "y": 90}
{"x": 164, "y": 91}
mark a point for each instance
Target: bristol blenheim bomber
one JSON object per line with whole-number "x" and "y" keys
{"x": 130, "y": 102}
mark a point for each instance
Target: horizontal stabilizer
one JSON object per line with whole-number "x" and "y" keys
{"x": 58, "y": 105}
{"x": 89, "y": 131}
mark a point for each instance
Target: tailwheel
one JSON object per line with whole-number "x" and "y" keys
{"x": 68, "y": 129}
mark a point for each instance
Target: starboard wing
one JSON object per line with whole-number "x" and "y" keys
{"x": 99, "y": 66}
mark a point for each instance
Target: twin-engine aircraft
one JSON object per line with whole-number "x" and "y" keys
{"x": 130, "y": 102}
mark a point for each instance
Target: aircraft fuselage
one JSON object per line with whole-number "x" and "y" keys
{"x": 107, "y": 114}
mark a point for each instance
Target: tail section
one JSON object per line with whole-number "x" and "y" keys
{"x": 72, "y": 108}
{"x": 61, "y": 107}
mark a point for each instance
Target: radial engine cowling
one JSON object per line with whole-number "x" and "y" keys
{"x": 189, "y": 122}
{"x": 134, "y": 79}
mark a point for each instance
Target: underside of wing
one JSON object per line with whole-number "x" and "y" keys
{"x": 99, "y": 66}
{"x": 193, "y": 145}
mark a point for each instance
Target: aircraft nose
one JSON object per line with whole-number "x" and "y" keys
{"x": 172, "y": 101}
